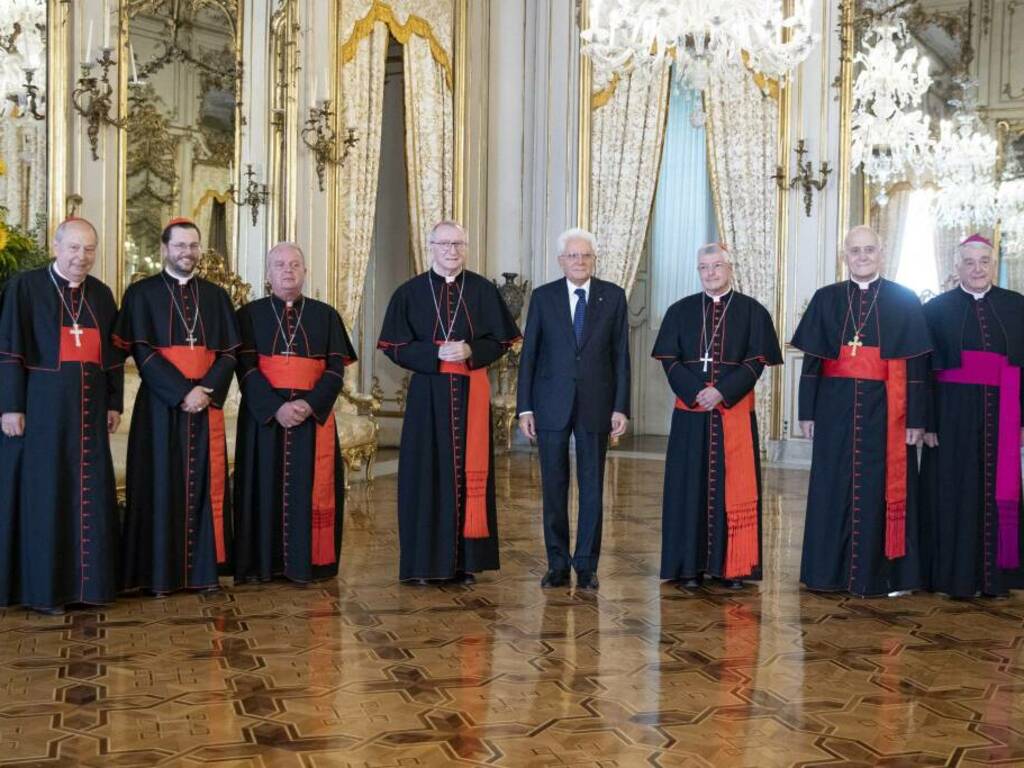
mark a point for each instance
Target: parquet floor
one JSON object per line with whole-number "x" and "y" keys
{"x": 365, "y": 672}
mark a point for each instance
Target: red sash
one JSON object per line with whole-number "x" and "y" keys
{"x": 302, "y": 373}
{"x": 193, "y": 363}
{"x": 741, "y": 552}
{"x": 867, "y": 364}
{"x": 478, "y": 447}
{"x": 87, "y": 350}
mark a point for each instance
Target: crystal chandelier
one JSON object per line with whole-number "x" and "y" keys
{"x": 22, "y": 49}
{"x": 701, "y": 36}
{"x": 890, "y": 132}
{"x": 965, "y": 168}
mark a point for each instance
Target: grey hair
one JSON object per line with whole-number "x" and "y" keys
{"x": 960, "y": 250}
{"x": 447, "y": 223}
{"x": 64, "y": 226}
{"x": 709, "y": 248}
{"x": 576, "y": 233}
{"x": 285, "y": 245}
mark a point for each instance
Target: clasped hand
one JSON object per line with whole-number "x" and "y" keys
{"x": 293, "y": 413}
{"x": 197, "y": 400}
{"x": 454, "y": 351}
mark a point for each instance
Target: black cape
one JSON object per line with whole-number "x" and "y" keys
{"x": 693, "y": 528}
{"x": 844, "y": 530}
{"x": 274, "y": 467}
{"x": 169, "y": 538}
{"x": 431, "y": 466}
{"x": 58, "y": 505}
{"x": 959, "y": 516}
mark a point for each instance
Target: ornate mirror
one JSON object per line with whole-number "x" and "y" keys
{"x": 181, "y": 134}
{"x": 23, "y": 135}
{"x": 284, "y": 32}
{"x": 906, "y": 58}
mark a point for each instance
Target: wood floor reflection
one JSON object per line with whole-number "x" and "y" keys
{"x": 365, "y": 672}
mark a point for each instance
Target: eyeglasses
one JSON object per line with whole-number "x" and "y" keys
{"x": 577, "y": 256}
{"x": 447, "y": 245}
{"x": 194, "y": 247}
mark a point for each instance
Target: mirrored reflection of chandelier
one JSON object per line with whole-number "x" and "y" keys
{"x": 22, "y": 52}
{"x": 1011, "y": 215}
{"x": 965, "y": 168}
{"x": 890, "y": 131}
{"x": 702, "y": 36}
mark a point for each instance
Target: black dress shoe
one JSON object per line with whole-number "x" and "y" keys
{"x": 733, "y": 583}
{"x": 693, "y": 583}
{"x": 463, "y": 577}
{"x": 555, "y": 579}
{"x": 57, "y": 610}
{"x": 587, "y": 580}
{"x": 417, "y": 582}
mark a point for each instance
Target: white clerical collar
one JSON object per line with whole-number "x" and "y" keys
{"x": 180, "y": 280}
{"x": 864, "y": 285}
{"x": 573, "y": 287}
{"x": 447, "y": 278}
{"x": 719, "y": 297}
{"x": 977, "y": 295}
{"x": 65, "y": 278}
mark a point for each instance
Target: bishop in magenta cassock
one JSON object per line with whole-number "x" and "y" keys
{"x": 970, "y": 471}
{"x": 182, "y": 332}
{"x": 862, "y": 400}
{"x": 289, "y": 485}
{"x": 60, "y": 395}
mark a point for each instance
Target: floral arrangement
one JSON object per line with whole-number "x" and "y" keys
{"x": 19, "y": 249}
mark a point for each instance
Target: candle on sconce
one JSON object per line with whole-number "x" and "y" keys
{"x": 106, "y": 24}
{"x": 313, "y": 95}
{"x": 88, "y": 46}
{"x": 135, "y": 71}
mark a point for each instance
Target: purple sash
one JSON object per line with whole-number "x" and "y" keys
{"x": 992, "y": 370}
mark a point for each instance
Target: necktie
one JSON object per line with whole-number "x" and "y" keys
{"x": 579, "y": 315}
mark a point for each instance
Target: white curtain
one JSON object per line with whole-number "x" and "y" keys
{"x": 683, "y": 217}
{"x": 429, "y": 144}
{"x": 891, "y": 225}
{"x": 626, "y": 139}
{"x": 743, "y": 127}
{"x": 363, "y": 88}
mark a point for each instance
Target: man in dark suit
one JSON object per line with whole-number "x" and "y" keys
{"x": 574, "y": 381}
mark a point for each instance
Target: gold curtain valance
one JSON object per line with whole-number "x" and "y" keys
{"x": 414, "y": 25}
{"x": 767, "y": 85}
{"x": 211, "y": 194}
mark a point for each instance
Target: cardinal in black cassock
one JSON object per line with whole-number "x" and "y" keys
{"x": 183, "y": 334}
{"x": 971, "y": 478}
{"x": 289, "y": 485}
{"x": 60, "y": 395}
{"x": 714, "y": 346}
{"x": 446, "y": 326}
{"x": 863, "y": 399}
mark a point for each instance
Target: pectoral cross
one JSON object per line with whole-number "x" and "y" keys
{"x": 854, "y": 343}
{"x": 706, "y": 359}
{"x": 191, "y": 341}
{"x": 77, "y": 332}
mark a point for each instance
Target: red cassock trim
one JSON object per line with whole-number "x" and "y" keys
{"x": 303, "y": 373}
{"x": 867, "y": 364}
{"x": 478, "y": 450}
{"x": 90, "y": 350}
{"x": 193, "y": 363}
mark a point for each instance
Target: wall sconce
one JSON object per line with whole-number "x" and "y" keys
{"x": 322, "y": 140}
{"x": 28, "y": 101}
{"x": 255, "y": 194}
{"x": 93, "y": 99}
{"x": 805, "y": 177}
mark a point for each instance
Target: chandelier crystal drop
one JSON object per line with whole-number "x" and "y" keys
{"x": 700, "y": 36}
{"x": 965, "y": 168}
{"x": 890, "y": 131}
